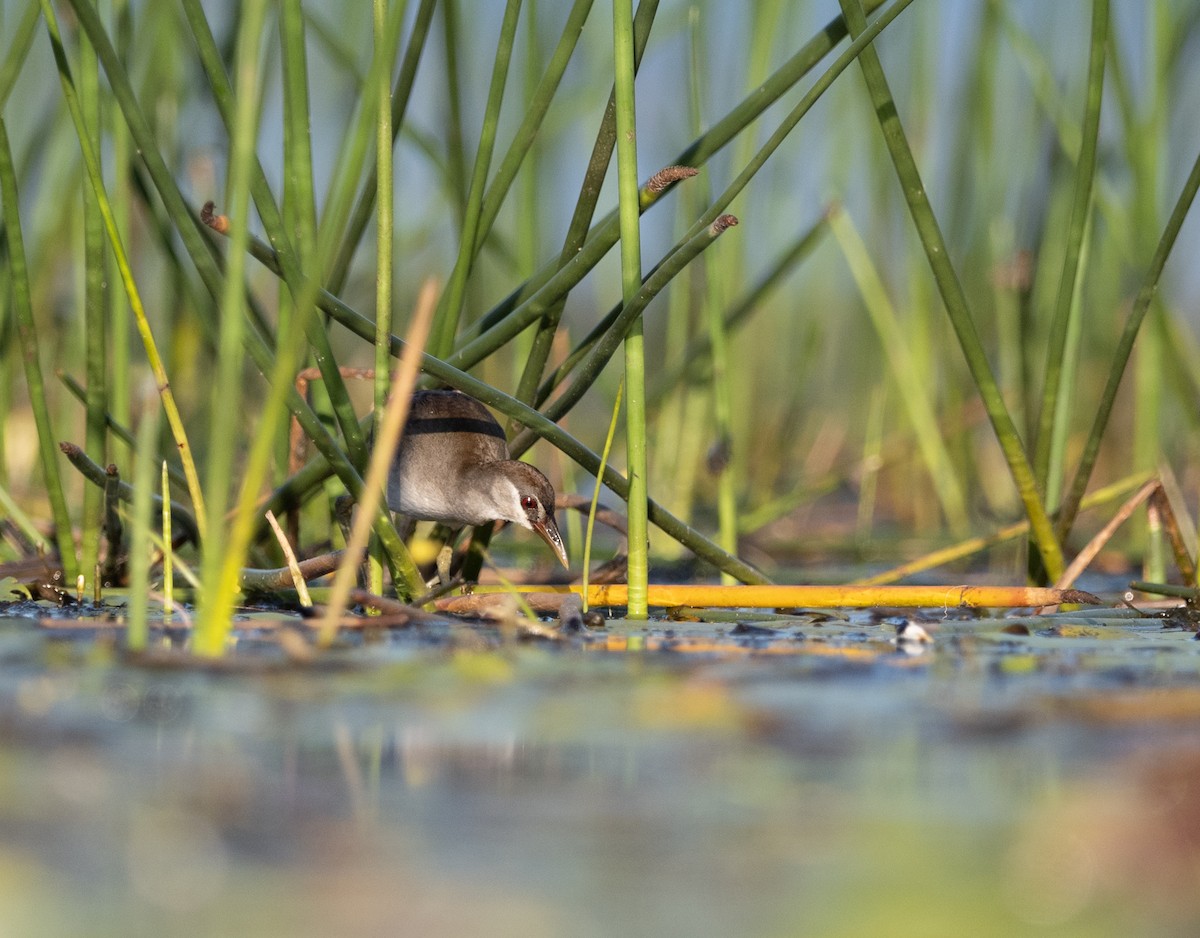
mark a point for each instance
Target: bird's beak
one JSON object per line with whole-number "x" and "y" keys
{"x": 548, "y": 531}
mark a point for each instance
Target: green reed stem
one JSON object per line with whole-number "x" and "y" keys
{"x": 451, "y": 302}
{"x": 638, "y": 568}
{"x": 456, "y": 161}
{"x": 22, "y": 307}
{"x": 299, "y": 201}
{"x": 581, "y": 217}
{"x": 174, "y": 420}
{"x": 697, "y": 352}
{"x": 272, "y": 221}
{"x": 539, "y": 104}
{"x": 361, "y": 214}
{"x": 119, "y": 384}
{"x": 93, "y": 318}
{"x": 1141, "y": 305}
{"x": 384, "y": 224}
{"x": 604, "y": 234}
{"x": 18, "y": 50}
{"x": 953, "y": 295}
{"x": 1050, "y": 434}
{"x": 712, "y": 311}
{"x": 203, "y": 256}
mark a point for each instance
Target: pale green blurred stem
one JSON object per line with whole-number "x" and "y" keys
{"x": 1146, "y": 159}
{"x": 22, "y": 306}
{"x": 95, "y": 328}
{"x": 631, "y": 283}
{"x": 1065, "y": 397}
{"x": 591, "y": 517}
{"x": 168, "y": 587}
{"x": 137, "y": 607}
{"x": 712, "y": 309}
{"x": 901, "y": 363}
{"x": 119, "y": 383}
{"x": 217, "y": 600}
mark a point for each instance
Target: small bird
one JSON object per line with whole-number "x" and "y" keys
{"x": 452, "y": 467}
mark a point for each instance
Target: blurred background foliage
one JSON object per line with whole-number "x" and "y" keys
{"x": 825, "y": 456}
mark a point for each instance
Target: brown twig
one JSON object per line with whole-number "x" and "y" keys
{"x": 124, "y": 491}
{"x": 1104, "y": 535}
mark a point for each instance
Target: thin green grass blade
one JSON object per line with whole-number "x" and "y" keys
{"x": 591, "y": 517}
{"x": 1141, "y": 305}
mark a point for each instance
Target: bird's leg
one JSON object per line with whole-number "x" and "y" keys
{"x": 444, "y": 557}
{"x": 343, "y": 510}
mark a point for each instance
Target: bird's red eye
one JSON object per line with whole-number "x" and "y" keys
{"x": 528, "y": 502}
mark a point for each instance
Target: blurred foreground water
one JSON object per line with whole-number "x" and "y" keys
{"x": 681, "y": 779}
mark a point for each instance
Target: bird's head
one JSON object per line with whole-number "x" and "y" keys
{"x": 528, "y": 500}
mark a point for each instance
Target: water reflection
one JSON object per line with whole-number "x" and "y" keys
{"x": 537, "y": 793}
